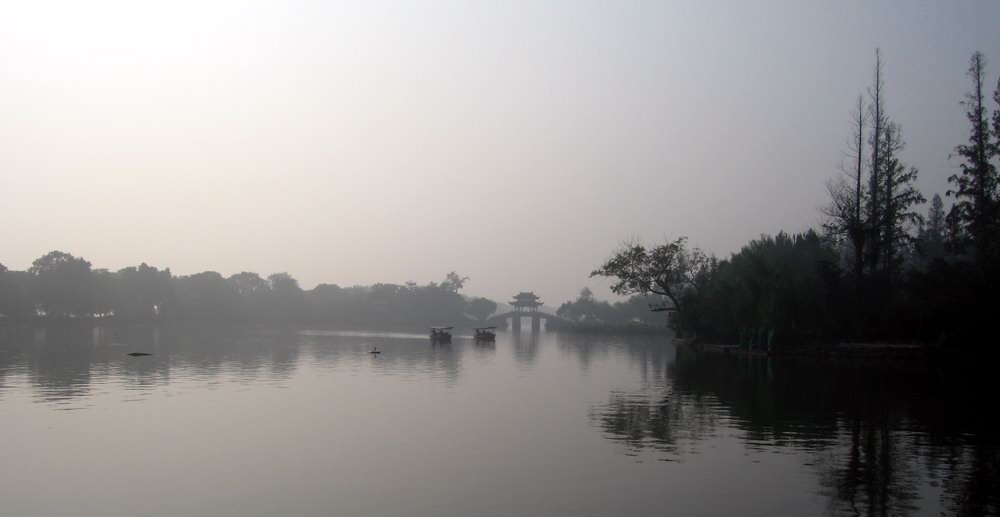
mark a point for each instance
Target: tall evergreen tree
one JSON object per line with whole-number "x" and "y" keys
{"x": 932, "y": 235}
{"x": 899, "y": 198}
{"x": 975, "y": 211}
{"x": 890, "y": 195}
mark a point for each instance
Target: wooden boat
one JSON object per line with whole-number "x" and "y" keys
{"x": 485, "y": 334}
{"x": 441, "y": 334}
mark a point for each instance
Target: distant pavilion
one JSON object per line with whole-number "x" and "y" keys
{"x": 526, "y": 302}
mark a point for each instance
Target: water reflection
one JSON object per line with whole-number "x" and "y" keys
{"x": 65, "y": 364}
{"x": 525, "y": 346}
{"x": 882, "y": 439}
{"x": 404, "y": 354}
{"x": 671, "y": 424}
{"x": 870, "y": 438}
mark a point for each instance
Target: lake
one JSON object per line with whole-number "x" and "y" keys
{"x": 282, "y": 421}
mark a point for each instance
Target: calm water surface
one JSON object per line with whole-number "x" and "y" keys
{"x": 275, "y": 421}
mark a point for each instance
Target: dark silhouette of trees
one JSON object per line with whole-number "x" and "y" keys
{"x": 893, "y": 278}
{"x": 631, "y": 315}
{"x": 872, "y": 209}
{"x": 286, "y": 301}
{"x": 249, "y": 284}
{"x": 957, "y": 290}
{"x": 670, "y": 270}
{"x": 11, "y": 303}
{"x": 876, "y": 164}
{"x": 975, "y": 213}
{"x": 586, "y": 309}
{"x": 481, "y": 308}
{"x": 845, "y": 215}
{"x": 890, "y": 195}
{"x": 899, "y": 217}
{"x": 328, "y": 302}
{"x": 253, "y": 292}
{"x": 6, "y": 293}
{"x": 145, "y": 293}
{"x": 786, "y": 284}
{"x": 444, "y": 300}
{"x": 932, "y": 235}
{"x": 393, "y": 304}
{"x": 63, "y": 284}
{"x": 60, "y": 286}
{"x": 104, "y": 292}
{"x": 17, "y": 294}
{"x": 206, "y": 298}
{"x": 453, "y": 282}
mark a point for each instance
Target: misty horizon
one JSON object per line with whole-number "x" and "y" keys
{"x": 540, "y": 257}
{"x": 360, "y": 143}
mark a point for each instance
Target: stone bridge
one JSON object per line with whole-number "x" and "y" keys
{"x": 551, "y": 320}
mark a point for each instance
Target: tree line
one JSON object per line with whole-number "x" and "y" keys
{"x": 60, "y": 286}
{"x": 633, "y": 314}
{"x": 877, "y": 270}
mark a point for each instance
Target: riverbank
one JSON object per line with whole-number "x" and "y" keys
{"x": 865, "y": 350}
{"x": 611, "y": 328}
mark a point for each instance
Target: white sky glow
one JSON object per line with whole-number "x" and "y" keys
{"x": 517, "y": 143}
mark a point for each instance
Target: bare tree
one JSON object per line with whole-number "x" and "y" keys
{"x": 876, "y": 165}
{"x": 845, "y": 215}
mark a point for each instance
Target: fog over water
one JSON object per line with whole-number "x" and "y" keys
{"x": 363, "y": 142}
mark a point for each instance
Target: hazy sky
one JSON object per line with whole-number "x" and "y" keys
{"x": 517, "y": 143}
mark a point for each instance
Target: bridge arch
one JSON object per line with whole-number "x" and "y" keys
{"x": 552, "y": 321}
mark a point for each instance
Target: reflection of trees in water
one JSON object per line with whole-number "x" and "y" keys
{"x": 874, "y": 422}
{"x": 647, "y": 353}
{"x": 585, "y": 348}
{"x": 655, "y": 417}
{"x": 872, "y": 470}
{"x": 68, "y": 362}
{"x": 57, "y": 362}
{"x": 247, "y": 353}
{"x": 972, "y": 478}
{"x": 669, "y": 424}
{"x": 880, "y": 436}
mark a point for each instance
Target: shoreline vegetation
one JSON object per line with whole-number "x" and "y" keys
{"x": 877, "y": 271}
{"x": 62, "y": 289}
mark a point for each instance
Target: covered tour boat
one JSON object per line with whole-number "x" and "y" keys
{"x": 441, "y": 334}
{"x": 485, "y": 334}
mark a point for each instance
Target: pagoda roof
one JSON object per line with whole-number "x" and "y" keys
{"x": 525, "y": 296}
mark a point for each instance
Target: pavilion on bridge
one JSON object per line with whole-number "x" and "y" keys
{"x": 527, "y": 304}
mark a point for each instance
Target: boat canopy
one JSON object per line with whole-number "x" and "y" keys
{"x": 442, "y": 328}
